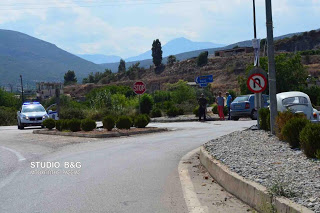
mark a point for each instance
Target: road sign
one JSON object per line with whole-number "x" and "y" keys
{"x": 203, "y": 84}
{"x": 257, "y": 83}
{"x": 139, "y": 87}
{"x": 204, "y": 79}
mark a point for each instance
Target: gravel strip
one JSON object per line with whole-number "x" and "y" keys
{"x": 264, "y": 159}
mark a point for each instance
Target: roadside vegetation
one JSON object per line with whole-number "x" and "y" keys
{"x": 9, "y": 105}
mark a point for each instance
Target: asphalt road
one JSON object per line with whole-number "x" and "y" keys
{"x": 127, "y": 174}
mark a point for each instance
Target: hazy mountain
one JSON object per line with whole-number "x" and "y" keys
{"x": 37, "y": 60}
{"x": 100, "y": 58}
{"x": 176, "y": 46}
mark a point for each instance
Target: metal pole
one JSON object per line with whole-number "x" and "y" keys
{"x": 139, "y": 105}
{"x": 257, "y": 96}
{"x": 22, "y": 97}
{"x": 272, "y": 69}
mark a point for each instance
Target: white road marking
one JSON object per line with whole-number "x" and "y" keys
{"x": 19, "y": 156}
{"x": 190, "y": 196}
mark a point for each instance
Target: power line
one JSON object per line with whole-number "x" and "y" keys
{"x": 126, "y": 3}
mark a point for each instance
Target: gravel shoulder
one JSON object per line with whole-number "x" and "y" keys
{"x": 264, "y": 159}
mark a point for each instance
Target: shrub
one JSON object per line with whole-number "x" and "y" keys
{"x": 74, "y": 125}
{"x": 88, "y": 125}
{"x": 180, "y": 111}
{"x": 264, "y": 119}
{"x": 96, "y": 115}
{"x": 282, "y": 119}
{"x": 310, "y": 139}
{"x": 70, "y": 113}
{"x": 141, "y": 121}
{"x": 146, "y": 104}
{"x": 225, "y": 110}
{"x": 173, "y": 112}
{"x": 62, "y": 125}
{"x": 124, "y": 122}
{"x": 215, "y": 109}
{"x": 155, "y": 113}
{"x": 292, "y": 129}
{"x": 7, "y": 116}
{"x": 202, "y": 58}
{"x": 171, "y": 60}
{"x": 49, "y": 123}
{"x": 196, "y": 111}
{"x": 109, "y": 122}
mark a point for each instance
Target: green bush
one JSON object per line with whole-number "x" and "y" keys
{"x": 141, "y": 121}
{"x": 109, "y": 122}
{"x": 74, "y": 125}
{"x": 264, "y": 116}
{"x": 8, "y": 116}
{"x": 202, "y": 58}
{"x": 310, "y": 139}
{"x": 180, "y": 111}
{"x": 155, "y": 113}
{"x": 146, "y": 104}
{"x": 225, "y": 110}
{"x": 88, "y": 125}
{"x": 49, "y": 123}
{"x": 62, "y": 124}
{"x": 173, "y": 112}
{"x": 124, "y": 122}
{"x": 292, "y": 129}
{"x": 196, "y": 111}
{"x": 215, "y": 109}
{"x": 282, "y": 119}
{"x": 70, "y": 113}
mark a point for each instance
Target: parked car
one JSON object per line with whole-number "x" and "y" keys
{"x": 31, "y": 114}
{"x": 297, "y": 102}
{"x": 243, "y": 106}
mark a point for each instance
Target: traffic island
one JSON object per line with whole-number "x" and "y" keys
{"x": 263, "y": 172}
{"x": 103, "y": 133}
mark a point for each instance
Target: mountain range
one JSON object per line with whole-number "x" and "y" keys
{"x": 100, "y": 58}
{"x": 37, "y": 60}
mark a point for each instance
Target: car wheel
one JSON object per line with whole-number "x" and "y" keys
{"x": 42, "y": 126}
{"x": 254, "y": 115}
{"x": 235, "y": 118}
{"x": 21, "y": 126}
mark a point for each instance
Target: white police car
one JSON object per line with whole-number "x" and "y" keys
{"x": 31, "y": 114}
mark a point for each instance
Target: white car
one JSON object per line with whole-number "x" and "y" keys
{"x": 297, "y": 102}
{"x": 31, "y": 114}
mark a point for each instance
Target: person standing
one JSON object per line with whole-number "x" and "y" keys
{"x": 229, "y": 100}
{"x": 220, "y": 103}
{"x": 202, "y": 101}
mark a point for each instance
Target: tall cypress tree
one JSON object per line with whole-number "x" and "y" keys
{"x": 157, "y": 52}
{"x": 122, "y": 66}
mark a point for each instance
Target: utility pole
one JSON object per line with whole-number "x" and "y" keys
{"x": 22, "y": 97}
{"x": 256, "y": 46}
{"x": 272, "y": 69}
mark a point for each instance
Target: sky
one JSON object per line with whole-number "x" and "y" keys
{"x": 127, "y": 27}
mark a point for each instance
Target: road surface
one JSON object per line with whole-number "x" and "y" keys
{"x": 127, "y": 174}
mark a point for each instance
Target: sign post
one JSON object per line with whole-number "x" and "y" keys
{"x": 139, "y": 88}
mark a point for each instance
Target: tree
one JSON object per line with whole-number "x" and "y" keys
{"x": 70, "y": 78}
{"x": 157, "y": 52}
{"x": 171, "y": 60}
{"x": 122, "y": 66}
{"x": 202, "y": 59}
{"x": 146, "y": 104}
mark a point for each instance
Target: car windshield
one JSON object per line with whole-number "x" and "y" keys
{"x": 33, "y": 108}
{"x": 241, "y": 98}
{"x": 294, "y": 101}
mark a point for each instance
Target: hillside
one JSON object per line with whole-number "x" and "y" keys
{"x": 190, "y": 54}
{"x": 37, "y": 60}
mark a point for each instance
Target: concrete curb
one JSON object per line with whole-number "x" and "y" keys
{"x": 182, "y": 120}
{"x": 110, "y": 135}
{"x": 254, "y": 194}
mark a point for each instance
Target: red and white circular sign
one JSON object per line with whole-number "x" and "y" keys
{"x": 257, "y": 83}
{"x": 139, "y": 88}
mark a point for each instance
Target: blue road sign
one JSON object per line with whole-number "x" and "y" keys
{"x": 203, "y": 84}
{"x": 204, "y": 79}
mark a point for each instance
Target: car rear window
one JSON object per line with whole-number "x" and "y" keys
{"x": 33, "y": 108}
{"x": 241, "y": 98}
{"x": 294, "y": 100}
